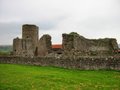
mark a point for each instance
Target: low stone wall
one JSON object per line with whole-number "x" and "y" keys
{"x": 82, "y": 63}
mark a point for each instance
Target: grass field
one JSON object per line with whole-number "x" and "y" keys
{"x": 23, "y": 77}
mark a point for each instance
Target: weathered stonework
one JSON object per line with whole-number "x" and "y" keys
{"x": 29, "y": 45}
{"x": 73, "y": 45}
{"x": 78, "y": 45}
{"x": 76, "y": 52}
{"x": 68, "y": 42}
{"x": 29, "y": 42}
{"x": 17, "y": 46}
{"x": 31, "y": 32}
{"x": 44, "y": 46}
{"x": 23, "y": 47}
{"x": 82, "y": 63}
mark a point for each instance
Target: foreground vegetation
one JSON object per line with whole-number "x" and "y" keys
{"x": 23, "y": 77}
{"x": 5, "y": 50}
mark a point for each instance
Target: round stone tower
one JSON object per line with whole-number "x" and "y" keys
{"x": 31, "y": 32}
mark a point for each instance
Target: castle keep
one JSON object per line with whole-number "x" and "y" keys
{"x": 72, "y": 45}
{"x": 27, "y": 46}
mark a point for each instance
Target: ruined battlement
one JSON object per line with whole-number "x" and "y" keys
{"x": 79, "y": 45}
{"x": 73, "y": 44}
{"x": 23, "y": 47}
{"x": 45, "y": 45}
{"x": 31, "y": 32}
{"x": 30, "y": 27}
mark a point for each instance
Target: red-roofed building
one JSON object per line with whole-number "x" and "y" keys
{"x": 57, "y": 48}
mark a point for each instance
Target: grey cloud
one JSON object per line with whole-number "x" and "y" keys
{"x": 15, "y": 27}
{"x": 100, "y": 23}
{"x": 50, "y": 24}
{"x": 93, "y": 17}
{"x": 47, "y": 25}
{"x": 9, "y": 28}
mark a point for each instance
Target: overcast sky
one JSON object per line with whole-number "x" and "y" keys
{"x": 90, "y": 18}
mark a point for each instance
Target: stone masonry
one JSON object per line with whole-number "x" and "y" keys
{"x": 44, "y": 46}
{"x": 23, "y": 47}
{"x": 31, "y": 32}
{"x": 73, "y": 44}
{"x": 78, "y": 45}
{"x": 30, "y": 44}
{"x": 82, "y": 63}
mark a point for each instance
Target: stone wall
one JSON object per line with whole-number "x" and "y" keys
{"x": 45, "y": 45}
{"x": 17, "y": 46}
{"x": 82, "y": 63}
{"x": 73, "y": 44}
{"x": 23, "y": 47}
{"x": 31, "y": 32}
{"x": 28, "y": 44}
{"x": 67, "y": 42}
{"x": 77, "y": 44}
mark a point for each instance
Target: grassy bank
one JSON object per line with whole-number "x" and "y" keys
{"x": 21, "y": 77}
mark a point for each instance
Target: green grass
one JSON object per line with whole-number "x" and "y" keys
{"x": 5, "y": 50}
{"x": 4, "y": 53}
{"x": 23, "y": 77}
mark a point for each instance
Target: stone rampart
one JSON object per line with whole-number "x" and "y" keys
{"x": 82, "y": 63}
{"x": 44, "y": 46}
{"x": 78, "y": 45}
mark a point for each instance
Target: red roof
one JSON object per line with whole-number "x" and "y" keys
{"x": 57, "y": 46}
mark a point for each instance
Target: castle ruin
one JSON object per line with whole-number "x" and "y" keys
{"x": 73, "y": 44}
{"x": 79, "y": 45}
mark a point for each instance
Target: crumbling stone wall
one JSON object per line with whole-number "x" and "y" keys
{"x": 107, "y": 44}
{"x": 29, "y": 42}
{"x": 44, "y": 46}
{"x": 79, "y": 45}
{"x": 31, "y": 32}
{"x": 17, "y": 46}
{"x": 23, "y": 47}
{"x": 29, "y": 45}
{"x": 82, "y": 63}
{"x": 68, "y": 42}
{"x": 73, "y": 44}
